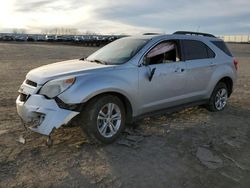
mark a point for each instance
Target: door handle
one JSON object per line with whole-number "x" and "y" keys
{"x": 179, "y": 70}
{"x": 212, "y": 64}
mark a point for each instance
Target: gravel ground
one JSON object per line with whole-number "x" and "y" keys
{"x": 189, "y": 148}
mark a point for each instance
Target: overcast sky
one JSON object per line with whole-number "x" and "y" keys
{"x": 127, "y": 16}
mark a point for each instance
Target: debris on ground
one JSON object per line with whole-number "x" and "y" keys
{"x": 235, "y": 162}
{"x": 232, "y": 143}
{"x": 129, "y": 131}
{"x": 136, "y": 139}
{"x": 21, "y": 139}
{"x": 35, "y": 151}
{"x": 229, "y": 177}
{"x": 131, "y": 141}
{"x": 124, "y": 142}
{"x": 3, "y": 131}
{"x": 208, "y": 159}
{"x": 79, "y": 144}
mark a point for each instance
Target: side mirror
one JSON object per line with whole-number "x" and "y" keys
{"x": 146, "y": 62}
{"x": 152, "y": 72}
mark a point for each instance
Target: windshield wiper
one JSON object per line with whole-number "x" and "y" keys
{"x": 95, "y": 60}
{"x": 98, "y": 61}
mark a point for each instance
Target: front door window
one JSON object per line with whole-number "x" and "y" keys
{"x": 165, "y": 52}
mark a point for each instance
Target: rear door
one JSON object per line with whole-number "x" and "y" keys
{"x": 200, "y": 66}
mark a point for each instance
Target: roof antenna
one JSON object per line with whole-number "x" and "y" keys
{"x": 198, "y": 28}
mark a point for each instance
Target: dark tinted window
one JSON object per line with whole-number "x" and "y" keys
{"x": 221, "y": 45}
{"x": 210, "y": 53}
{"x": 196, "y": 50}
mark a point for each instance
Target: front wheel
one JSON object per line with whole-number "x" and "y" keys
{"x": 219, "y": 97}
{"x": 103, "y": 118}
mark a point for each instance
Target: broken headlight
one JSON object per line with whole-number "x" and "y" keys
{"x": 55, "y": 87}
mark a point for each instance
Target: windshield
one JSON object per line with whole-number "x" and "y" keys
{"x": 118, "y": 52}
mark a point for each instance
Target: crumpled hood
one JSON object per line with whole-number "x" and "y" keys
{"x": 42, "y": 74}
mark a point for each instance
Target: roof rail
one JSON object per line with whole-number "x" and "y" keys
{"x": 152, "y": 33}
{"x": 193, "y": 33}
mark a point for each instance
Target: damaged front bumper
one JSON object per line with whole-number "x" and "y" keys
{"x": 42, "y": 115}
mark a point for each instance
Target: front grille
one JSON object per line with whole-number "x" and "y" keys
{"x": 23, "y": 97}
{"x": 31, "y": 83}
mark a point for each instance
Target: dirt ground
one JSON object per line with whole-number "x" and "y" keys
{"x": 189, "y": 148}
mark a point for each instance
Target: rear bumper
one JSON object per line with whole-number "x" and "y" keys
{"x": 42, "y": 115}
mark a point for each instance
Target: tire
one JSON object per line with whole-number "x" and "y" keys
{"x": 219, "y": 97}
{"x": 97, "y": 121}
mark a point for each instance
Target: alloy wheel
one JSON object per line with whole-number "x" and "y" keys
{"x": 109, "y": 120}
{"x": 221, "y": 99}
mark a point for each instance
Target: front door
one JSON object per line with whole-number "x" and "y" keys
{"x": 166, "y": 87}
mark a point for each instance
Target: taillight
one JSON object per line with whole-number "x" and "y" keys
{"x": 236, "y": 64}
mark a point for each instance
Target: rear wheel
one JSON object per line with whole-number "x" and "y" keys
{"x": 219, "y": 97}
{"x": 103, "y": 119}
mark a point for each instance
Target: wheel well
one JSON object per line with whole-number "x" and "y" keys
{"x": 229, "y": 83}
{"x": 125, "y": 101}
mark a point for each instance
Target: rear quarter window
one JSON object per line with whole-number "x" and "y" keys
{"x": 194, "y": 49}
{"x": 222, "y": 46}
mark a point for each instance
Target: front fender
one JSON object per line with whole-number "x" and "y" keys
{"x": 88, "y": 86}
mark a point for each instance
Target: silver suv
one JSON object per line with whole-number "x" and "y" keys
{"x": 130, "y": 78}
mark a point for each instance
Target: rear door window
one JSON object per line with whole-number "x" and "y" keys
{"x": 196, "y": 50}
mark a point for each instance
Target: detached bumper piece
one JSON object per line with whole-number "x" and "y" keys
{"x": 42, "y": 115}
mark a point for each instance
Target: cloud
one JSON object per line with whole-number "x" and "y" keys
{"x": 181, "y": 14}
{"x": 31, "y": 6}
{"x": 111, "y": 16}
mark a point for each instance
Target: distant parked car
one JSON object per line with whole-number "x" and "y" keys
{"x": 20, "y": 38}
{"x": 128, "y": 79}
{"x": 41, "y": 38}
{"x": 7, "y": 38}
{"x": 69, "y": 38}
{"x": 51, "y": 38}
{"x": 78, "y": 38}
{"x": 60, "y": 38}
{"x": 31, "y": 38}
